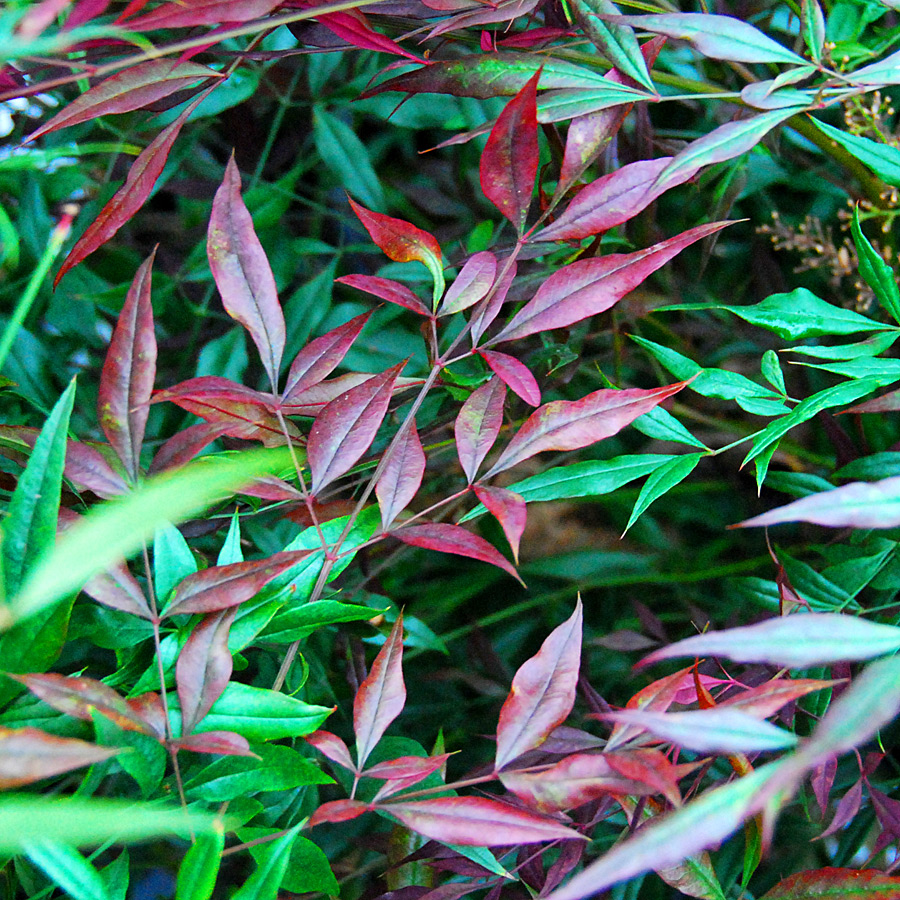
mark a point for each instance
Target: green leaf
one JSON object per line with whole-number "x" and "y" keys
{"x": 277, "y": 769}
{"x": 882, "y": 159}
{"x": 29, "y": 530}
{"x": 871, "y": 468}
{"x": 662, "y": 425}
{"x": 877, "y": 273}
{"x": 231, "y": 551}
{"x": 586, "y": 479}
{"x": 271, "y": 867}
{"x": 662, "y": 480}
{"x": 771, "y": 371}
{"x": 172, "y": 561}
{"x": 308, "y": 869}
{"x": 67, "y": 869}
{"x": 82, "y": 822}
{"x": 200, "y": 867}
{"x": 872, "y": 346}
{"x": 116, "y": 876}
{"x": 301, "y": 621}
{"x": 343, "y": 152}
{"x": 145, "y": 758}
{"x": 119, "y": 527}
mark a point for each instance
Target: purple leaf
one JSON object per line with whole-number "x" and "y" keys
{"x": 392, "y": 291}
{"x": 242, "y": 273}
{"x": 847, "y": 808}
{"x": 399, "y": 774}
{"x": 478, "y": 424}
{"x": 798, "y": 641}
{"x": 221, "y": 743}
{"x": 381, "y": 697}
{"x": 591, "y": 286}
{"x": 134, "y": 88}
{"x": 344, "y": 429}
{"x": 454, "y": 539}
{"x": 320, "y": 357}
{"x": 204, "y": 668}
{"x": 543, "y": 692}
{"x": 484, "y": 315}
{"x": 861, "y": 504}
{"x": 822, "y": 781}
{"x": 514, "y": 374}
{"x": 126, "y": 381}
{"x": 201, "y": 12}
{"x": 118, "y": 589}
{"x": 221, "y": 587}
{"x": 572, "y": 424}
{"x": 509, "y": 162}
{"x": 182, "y": 447}
{"x": 331, "y": 746}
{"x": 401, "y": 477}
{"x": 473, "y": 282}
{"x": 608, "y": 201}
{"x": 509, "y": 509}
{"x": 477, "y": 822}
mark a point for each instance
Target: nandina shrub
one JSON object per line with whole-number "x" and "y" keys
{"x": 199, "y": 641}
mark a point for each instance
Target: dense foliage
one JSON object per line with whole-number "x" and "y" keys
{"x": 338, "y": 341}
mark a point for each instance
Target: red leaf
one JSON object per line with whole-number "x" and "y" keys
{"x": 320, "y": 357}
{"x": 543, "y": 692}
{"x": 355, "y": 29}
{"x": 346, "y": 427}
{"x": 311, "y": 401}
{"x": 118, "y": 589}
{"x": 85, "y": 11}
{"x": 181, "y": 448}
{"x": 477, "y": 822}
{"x": 29, "y": 754}
{"x": 509, "y": 162}
{"x": 129, "y": 198}
{"x": 473, "y": 282}
{"x": 204, "y": 668}
{"x": 399, "y": 774}
{"x": 271, "y": 488}
{"x": 608, "y": 201}
{"x": 454, "y": 539}
{"x": 478, "y": 424}
{"x": 241, "y": 270}
{"x": 768, "y": 698}
{"x": 509, "y": 509}
{"x": 150, "y": 710}
{"x": 381, "y": 697}
{"x": 401, "y": 477}
{"x": 337, "y": 811}
{"x": 202, "y": 12}
{"x": 483, "y": 14}
{"x": 223, "y": 743}
{"x": 401, "y": 241}
{"x": 392, "y": 291}
{"x": 572, "y": 424}
{"x": 221, "y": 587}
{"x": 591, "y": 286}
{"x": 514, "y": 374}
{"x": 483, "y": 317}
{"x": 841, "y": 884}
{"x": 81, "y": 697}
{"x": 126, "y": 381}
{"x": 331, "y": 746}
{"x": 134, "y": 88}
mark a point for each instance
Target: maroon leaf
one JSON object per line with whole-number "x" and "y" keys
{"x": 118, "y": 589}
{"x": 504, "y": 11}
{"x": 401, "y": 241}
{"x": 478, "y": 424}
{"x": 608, "y": 201}
{"x": 591, "y": 286}
{"x": 84, "y": 11}
{"x": 331, "y": 746}
{"x": 221, "y": 587}
{"x": 454, "y": 539}
{"x": 311, "y": 401}
{"x": 223, "y": 743}
{"x": 484, "y": 315}
{"x": 885, "y": 403}
{"x": 29, "y": 754}
{"x": 473, "y": 282}
{"x": 182, "y": 447}
{"x": 572, "y": 424}
{"x": 401, "y": 477}
{"x": 320, "y": 357}
{"x": 543, "y": 692}
{"x": 241, "y": 270}
{"x": 337, "y": 811}
{"x": 346, "y": 427}
{"x": 842, "y": 884}
{"x": 381, "y": 697}
{"x": 768, "y": 698}
{"x": 514, "y": 374}
{"x": 392, "y": 291}
{"x": 202, "y": 12}
{"x": 822, "y": 781}
{"x": 846, "y": 810}
{"x": 271, "y": 488}
{"x": 887, "y": 811}
{"x": 126, "y": 381}
{"x": 129, "y": 198}
{"x": 477, "y": 822}
{"x": 134, "y": 88}
{"x": 509, "y": 162}
{"x": 399, "y": 774}
{"x": 354, "y": 28}
{"x": 81, "y": 697}
{"x": 150, "y": 710}
{"x": 204, "y": 668}
{"x": 509, "y": 509}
